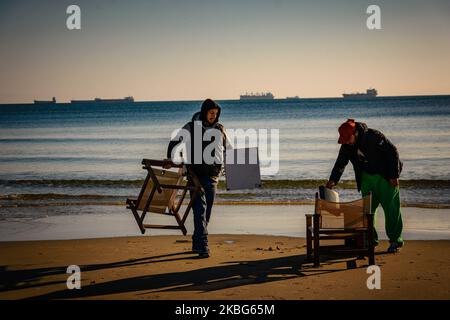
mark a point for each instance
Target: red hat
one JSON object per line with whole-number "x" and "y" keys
{"x": 346, "y": 130}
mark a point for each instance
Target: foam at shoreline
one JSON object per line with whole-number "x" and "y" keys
{"x": 41, "y": 193}
{"x": 267, "y": 183}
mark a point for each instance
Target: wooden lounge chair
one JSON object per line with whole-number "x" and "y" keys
{"x": 350, "y": 221}
{"x": 163, "y": 192}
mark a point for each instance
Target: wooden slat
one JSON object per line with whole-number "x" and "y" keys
{"x": 351, "y": 250}
{"x": 167, "y": 196}
{"x": 158, "y": 202}
{"x": 338, "y": 231}
{"x": 337, "y": 237}
{"x": 158, "y": 226}
{"x": 159, "y": 163}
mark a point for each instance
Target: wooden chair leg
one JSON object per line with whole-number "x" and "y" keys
{"x": 138, "y": 219}
{"x": 316, "y": 241}
{"x": 180, "y": 222}
{"x": 371, "y": 256}
{"x": 308, "y": 238}
{"x": 361, "y": 241}
{"x": 370, "y": 241}
{"x": 316, "y": 252}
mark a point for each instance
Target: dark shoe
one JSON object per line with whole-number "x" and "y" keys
{"x": 199, "y": 249}
{"x": 196, "y": 248}
{"x": 394, "y": 247}
{"x": 203, "y": 254}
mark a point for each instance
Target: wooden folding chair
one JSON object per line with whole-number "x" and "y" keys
{"x": 341, "y": 220}
{"x": 163, "y": 192}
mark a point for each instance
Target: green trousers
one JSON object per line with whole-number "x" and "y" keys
{"x": 389, "y": 198}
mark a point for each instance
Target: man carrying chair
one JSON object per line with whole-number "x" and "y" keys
{"x": 205, "y": 122}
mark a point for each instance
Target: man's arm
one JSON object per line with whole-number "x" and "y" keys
{"x": 227, "y": 146}
{"x": 173, "y": 143}
{"x": 393, "y": 160}
{"x": 390, "y": 152}
{"x": 227, "y": 143}
{"x": 393, "y": 163}
{"x": 339, "y": 166}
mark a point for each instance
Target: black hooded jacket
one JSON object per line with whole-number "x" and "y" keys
{"x": 372, "y": 153}
{"x": 203, "y": 169}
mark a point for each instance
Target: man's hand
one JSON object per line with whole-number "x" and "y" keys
{"x": 393, "y": 182}
{"x": 330, "y": 184}
{"x": 168, "y": 165}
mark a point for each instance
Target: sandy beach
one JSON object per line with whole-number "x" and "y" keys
{"x": 241, "y": 267}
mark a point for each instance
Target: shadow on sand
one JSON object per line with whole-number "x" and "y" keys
{"x": 226, "y": 275}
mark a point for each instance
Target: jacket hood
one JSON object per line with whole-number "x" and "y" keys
{"x": 361, "y": 128}
{"x": 197, "y": 116}
{"x": 207, "y": 105}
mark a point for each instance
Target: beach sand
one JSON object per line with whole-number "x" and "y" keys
{"x": 240, "y": 267}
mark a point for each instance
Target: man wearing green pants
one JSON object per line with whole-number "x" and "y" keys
{"x": 377, "y": 168}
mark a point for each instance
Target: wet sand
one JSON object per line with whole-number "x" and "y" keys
{"x": 84, "y": 222}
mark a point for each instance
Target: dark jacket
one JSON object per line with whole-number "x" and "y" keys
{"x": 372, "y": 153}
{"x": 202, "y": 170}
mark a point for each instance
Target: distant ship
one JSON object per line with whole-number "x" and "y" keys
{"x": 293, "y": 98}
{"x": 98, "y": 100}
{"x": 257, "y": 96}
{"x": 53, "y": 101}
{"x": 370, "y": 94}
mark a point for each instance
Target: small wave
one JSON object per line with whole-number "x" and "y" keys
{"x": 96, "y": 140}
{"x": 267, "y": 184}
{"x": 219, "y": 202}
{"x": 62, "y": 204}
{"x": 50, "y": 196}
{"x": 71, "y": 183}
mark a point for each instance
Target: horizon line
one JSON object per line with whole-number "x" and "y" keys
{"x": 237, "y": 99}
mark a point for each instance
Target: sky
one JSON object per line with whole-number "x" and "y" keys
{"x": 192, "y": 49}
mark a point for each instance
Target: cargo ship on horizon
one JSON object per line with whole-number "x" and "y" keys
{"x": 129, "y": 99}
{"x": 53, "y": 101}
{"x": 256, "y": 96}
{"x": 370, "y": 94}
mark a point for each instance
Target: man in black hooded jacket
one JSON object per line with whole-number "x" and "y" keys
{"x": 377, "y": 169}
{"x": 206, "y": 123}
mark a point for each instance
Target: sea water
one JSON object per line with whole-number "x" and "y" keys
{"x": 66, "y": 154}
